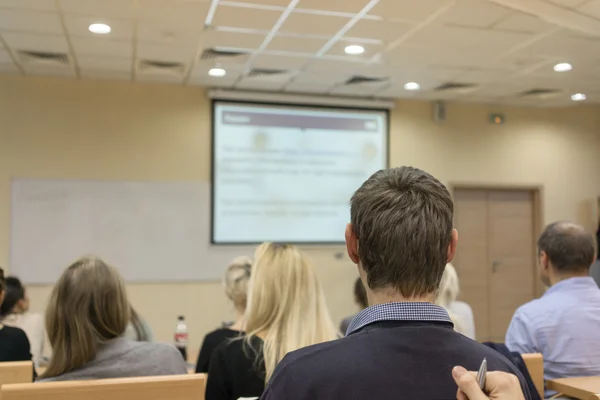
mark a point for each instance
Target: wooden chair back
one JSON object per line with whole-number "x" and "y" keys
{"x": 172, "y": 387}
{"x": 535, "y": 366}
{"x": 16, "y": 372}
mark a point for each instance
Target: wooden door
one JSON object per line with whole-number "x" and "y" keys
{"x": 496, "y": 255}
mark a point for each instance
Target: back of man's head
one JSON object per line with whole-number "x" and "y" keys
{"x": 568, "y": 246}
{"x": 402, "y": 218}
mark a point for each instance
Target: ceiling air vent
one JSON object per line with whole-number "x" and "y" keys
{"x": 456, "y": 87}
{"x": 358, "y": 79}
{"x": 266, "y": 72}
{"x": 211, "y": 54}
{"x": 43, "y": 57}
{"x": 161, "y": 67}
{"x": 540, "y": 93}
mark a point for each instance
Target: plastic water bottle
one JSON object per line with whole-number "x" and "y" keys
{"x": 181, "y": 336}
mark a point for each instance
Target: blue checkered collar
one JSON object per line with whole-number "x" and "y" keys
{"x": 402, "y": 311}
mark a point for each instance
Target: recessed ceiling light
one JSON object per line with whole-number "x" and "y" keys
{"x": 412, "y": 86}
{"x": 101, "y": 29}
{"x": 354, "y": 49}
{"x": 563, "y": 67}
{"x": 578, "y": 97}
{"x": 217, "y": 72}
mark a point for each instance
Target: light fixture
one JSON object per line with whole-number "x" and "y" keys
{"x": 100, "y": 29}
{"x": 563, "y": 67}
{"x": 578, "y": 97}
{"x": 354, "y": 49}
{"x": 412, "y": 86}
{"x": 217, "y": 72}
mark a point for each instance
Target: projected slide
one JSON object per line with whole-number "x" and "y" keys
{"x": 286, "y": 173}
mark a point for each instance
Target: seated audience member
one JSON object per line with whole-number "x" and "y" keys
{"x": 14, "y": 345}
{"x": 402, "y": 346}
{"x": 15, "y": 312}
{"x": 459, "y": 311}
{"x": 595, "y": 268}
{"x": 236, "y": 287}
{"x": 498, "y": 386}
{"x": 137, "y": 328}
{"x": 360, "y": 298}
{"x": 564, "y": 323}
{"x": 286, "y": 311}
{"x": 86, "y": 318}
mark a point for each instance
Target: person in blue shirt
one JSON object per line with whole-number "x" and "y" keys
{"x": 564, "y": 323}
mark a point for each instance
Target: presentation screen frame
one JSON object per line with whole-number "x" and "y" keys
{"x": 216, "y": 100}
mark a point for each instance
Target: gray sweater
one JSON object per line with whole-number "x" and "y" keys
{"x": 123, "y": 358}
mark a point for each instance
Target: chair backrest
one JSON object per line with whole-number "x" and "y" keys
{"x": 173, "y": 387}
{"x": 16, "y": 372}
{"x": 535, "y": 366}
{"x": 595, "y": 397}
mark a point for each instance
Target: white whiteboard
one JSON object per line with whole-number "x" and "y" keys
{"x": 152, "y": 232}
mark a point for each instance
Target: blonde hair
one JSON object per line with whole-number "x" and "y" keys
{"x": 447, "y": 294}
{"x": 236, "y": 281}
{"x": 286, "y": 305}
{"x": 88, "y": 307}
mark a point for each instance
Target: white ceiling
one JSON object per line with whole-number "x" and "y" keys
{"x": 503, "y": 46}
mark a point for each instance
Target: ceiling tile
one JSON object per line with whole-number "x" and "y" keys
{"x": 568, "y": 3}
{"x": 249, "y": 83}
{"x": 407, "y": 10}
{"x": 200, "y": 77}
{"x": 338, "y": 50}
{"x": 5, "y": 57}
{"x": 364, "y": 89}
{"x": 50, "y": 71}
{"x": 296, "y": 44}
{"x": 565, "y": 47}
{"x": 223, "y": 39}
{"x": 236, "y": 63}
{"x": 39, "y": 5}
{"x": 312, "y": 24}
{"x": 101, "y": 46}
{"x": 175, "y": 14}
{"x": 95, "y": 8}
{"x": 279, "y": 62}
{"x": 334, "y": 65}
{"x": 591, "y": 8}
{"x": 97, "y": 63}
{"x": 158, "y": 52}
{"x": 306, "y": 87}
{"x": 278, "y": 3}
{"x": 29, "y": 21}
{"x": 158, "y": 78}
{"x": 327, "y": 78}
{"x": 348, "y": 6}
{"x": 386, "y": 31}
{"x": 149, "y": 32}
{"x": 523, "y": 23}
{"x": 106, "y": 75}
{"x": 241, "y": 17}
{"x": 26, "y": 41}
{"x": 9, "y": 69}
{"x": 79, "y": 26}
{"x": 474, "y": 13}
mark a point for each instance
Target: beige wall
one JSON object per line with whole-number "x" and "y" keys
{"x": 54, "y": 128}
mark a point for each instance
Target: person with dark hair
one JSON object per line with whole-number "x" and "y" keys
{"x": 14, "y": 312}
{"x": 595, "y": 268}
{"x": 400, "y": 236}
{"x": 14, "y": 345}
{"x": 564, "y": 323}
{"x": 360, "y": 298}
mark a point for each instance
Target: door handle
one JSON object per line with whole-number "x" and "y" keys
{"x": 495, "y": 265}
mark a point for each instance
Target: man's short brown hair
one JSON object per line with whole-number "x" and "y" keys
{"x": 402, "y": 218}
{"x": 568, "y": 246}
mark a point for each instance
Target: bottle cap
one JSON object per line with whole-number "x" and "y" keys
{"x": 181, "y": 318}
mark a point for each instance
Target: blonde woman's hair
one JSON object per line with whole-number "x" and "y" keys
{"x": 88, "y": 307}
{"x": 448, "y": 293}
{"x": 449, "y": 288}
{"x": 286, "y": 305}
{"x": 236, "y": 281}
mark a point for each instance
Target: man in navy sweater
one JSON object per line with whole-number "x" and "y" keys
{"x": 403, "y": 346}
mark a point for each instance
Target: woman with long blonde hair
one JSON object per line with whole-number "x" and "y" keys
{"x": 286, "y": 311}
{"x": 459, "y": 311}
{"x": 86, "y": 318}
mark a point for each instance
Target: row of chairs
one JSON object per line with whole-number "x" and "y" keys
{"x": 15, "y": 378}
